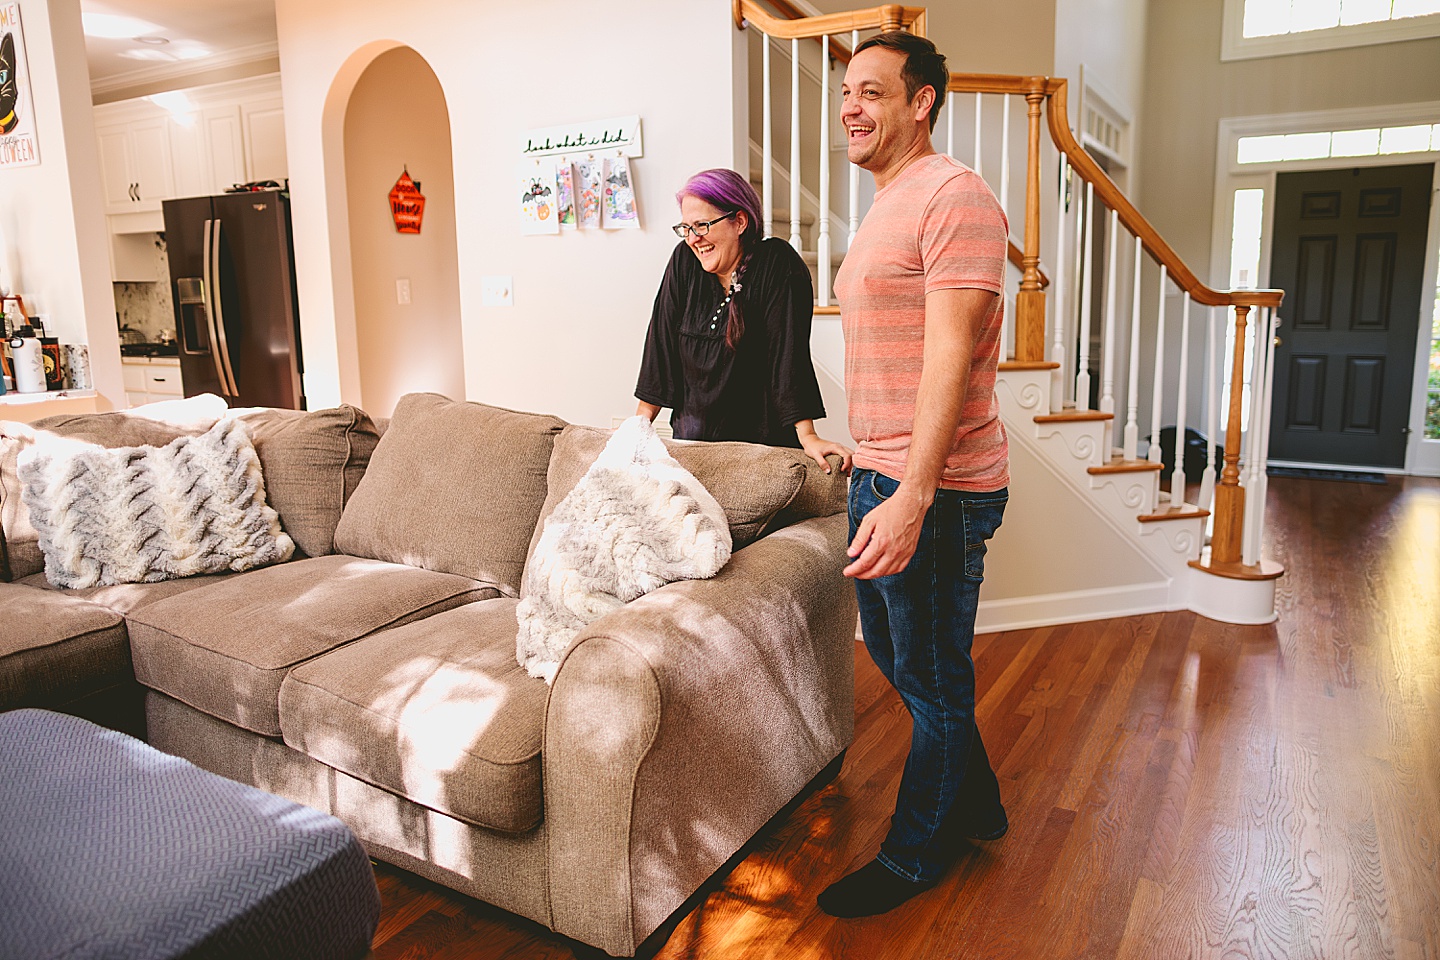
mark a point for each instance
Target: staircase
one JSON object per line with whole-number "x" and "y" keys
{"x": 1098, "y": 526}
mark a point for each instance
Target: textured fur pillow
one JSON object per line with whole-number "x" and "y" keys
{"x": 636, "y": 521}
{"x": 141, "y": 514}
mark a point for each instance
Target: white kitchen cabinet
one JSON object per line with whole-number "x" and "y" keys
{"x": 265, "y": 141}
{"x": 224, "y": 147}
{"x": 232, "y": 133}
{"x": 135, "y": 164}
{"x": 151, "y": 379}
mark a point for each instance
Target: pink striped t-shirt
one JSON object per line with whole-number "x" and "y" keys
{"x": 936, "y": 226}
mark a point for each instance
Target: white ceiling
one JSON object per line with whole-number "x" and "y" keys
{"x": 202, "y": 34}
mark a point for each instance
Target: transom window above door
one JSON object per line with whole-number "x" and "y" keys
{"x": 1266, "y": 28}
{"x": 1322, "y": 144}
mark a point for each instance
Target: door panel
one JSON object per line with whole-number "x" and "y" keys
{"x": 1349, "y": 250}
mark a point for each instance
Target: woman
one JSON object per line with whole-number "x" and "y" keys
{"x": 729, "y": 343}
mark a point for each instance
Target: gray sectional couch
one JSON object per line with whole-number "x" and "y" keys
{"x": 373, "y": 676}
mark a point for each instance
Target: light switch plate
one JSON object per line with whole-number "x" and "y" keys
{"x": 496, "y": 291}
{"x": 402, "y": 291}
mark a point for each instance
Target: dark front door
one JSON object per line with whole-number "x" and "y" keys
{"x": 1349, "y": 252}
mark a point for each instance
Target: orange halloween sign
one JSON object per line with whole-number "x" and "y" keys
{"x": 407, "y": 204}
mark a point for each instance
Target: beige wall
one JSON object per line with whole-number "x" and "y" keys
{"x": 571, "y": 343}
{"x": 980, "y": 36}
{"x": 1107, "y": 37}
{"x": 1188, "y": 90}
{"x": 53, "y": 244}
{"x": 402, "y": 348}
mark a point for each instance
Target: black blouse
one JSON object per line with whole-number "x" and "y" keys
{"x": 761, "y": 389}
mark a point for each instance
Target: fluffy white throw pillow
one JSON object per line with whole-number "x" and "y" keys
{"x": 141, "y": 514}
{"x": 636, "y": 521}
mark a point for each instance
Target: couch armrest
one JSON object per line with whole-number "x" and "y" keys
{"x": 679, "y": 725}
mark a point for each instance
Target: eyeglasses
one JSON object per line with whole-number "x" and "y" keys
{"x": 699, "y": 227}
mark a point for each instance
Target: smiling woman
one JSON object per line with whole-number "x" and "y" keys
{"x": 729, "y": 343}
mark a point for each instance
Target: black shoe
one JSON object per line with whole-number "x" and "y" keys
{"x": 871, "y": 890}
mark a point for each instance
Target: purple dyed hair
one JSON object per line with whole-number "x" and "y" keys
{"x": 726, "y": 190}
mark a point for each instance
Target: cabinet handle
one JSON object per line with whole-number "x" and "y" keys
{"x": 133, "y": 188}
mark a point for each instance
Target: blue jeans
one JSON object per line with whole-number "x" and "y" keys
{"x": 918, "y": 625}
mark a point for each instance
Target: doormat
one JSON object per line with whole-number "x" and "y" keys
{"x": 1309, "y": 473}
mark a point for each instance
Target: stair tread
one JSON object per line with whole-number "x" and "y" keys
{"x": 1264, "y": 570}
{"x": 1121, "y": 465}
{"x": 1186, "y": 511}
{"x": 1028, "y": 365}
{"x": 1073, "y": 416}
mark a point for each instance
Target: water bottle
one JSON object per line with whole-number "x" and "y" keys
{"x": 29, "y": 362}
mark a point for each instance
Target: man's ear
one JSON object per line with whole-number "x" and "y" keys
{"x": 924, "y": 100}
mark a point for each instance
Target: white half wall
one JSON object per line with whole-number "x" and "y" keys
{"x": 571, "y": 343}
{"x": 53, "y": 244}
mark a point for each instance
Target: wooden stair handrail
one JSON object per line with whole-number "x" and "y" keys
{"x": 890, "y": 16}
{"x": 838, "y": 51}
{"x": 1110, "y": 195}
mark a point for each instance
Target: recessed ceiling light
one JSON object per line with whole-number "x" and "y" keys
{"x": 157, "y": 41}
{"x": 115, "y": 27}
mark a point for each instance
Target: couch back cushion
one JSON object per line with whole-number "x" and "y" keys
{"x": 312, "y": 463}
{"x": 760, "y": 488}
{"x": 453, "y": 487}
{"x": 116, "y": 429}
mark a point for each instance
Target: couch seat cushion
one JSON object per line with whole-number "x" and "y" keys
{"x": 225, "y": 647}
{"x": 55, "y": 649}
{"x": 125, "y": 598}
{"x": 454, "y": 487}
{"x": 437, "y": 711}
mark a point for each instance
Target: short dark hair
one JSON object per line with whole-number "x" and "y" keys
{"x": 924, "y": 66}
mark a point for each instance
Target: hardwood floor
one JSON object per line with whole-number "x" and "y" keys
{"x": 1177, "y": 787}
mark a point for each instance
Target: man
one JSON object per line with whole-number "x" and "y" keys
{"x": 921, "y": 302}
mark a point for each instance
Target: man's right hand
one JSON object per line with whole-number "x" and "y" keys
{"x": 887, "y": 536}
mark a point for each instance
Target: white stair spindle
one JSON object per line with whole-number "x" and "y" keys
{"x": 1182, "y": 394}
{"x": 950, "y": 127}
{"x": 1057, "y": 349}
{"x": 1132, "y": 391}
{"x": 1082, "y": 217}
{"x": 1157, "y": 393}
{"x": 854, "y": 174}
{"x": 1107, "y": 360}
{"x": 1005, "y": 153}
{"x": 795, "y": 145}
{"x": 767, "y": 141}
{"x": 979, "y": 113}
{"x": 1262, "y": 438}
{"x": 1255, "y": 439}
{"x": 1212, "y": 412}
{"x": 822, "y": 245}
{"x": 1082, "y": 361}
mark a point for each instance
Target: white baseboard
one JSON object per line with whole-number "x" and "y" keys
{"x": 1023, "y": 613}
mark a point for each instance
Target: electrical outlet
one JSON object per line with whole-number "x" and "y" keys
{"x": 496, "y": 291}
{"x": 402, "y": 291}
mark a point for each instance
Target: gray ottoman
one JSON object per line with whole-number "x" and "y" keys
{"x": 109, "y": 848}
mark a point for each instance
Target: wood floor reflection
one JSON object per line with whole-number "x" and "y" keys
{"x": 1177, "y": 787}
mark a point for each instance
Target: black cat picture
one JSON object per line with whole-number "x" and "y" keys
{"x": 9, "y": 86}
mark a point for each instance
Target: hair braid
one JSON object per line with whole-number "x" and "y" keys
{"x": 735, "y": 324}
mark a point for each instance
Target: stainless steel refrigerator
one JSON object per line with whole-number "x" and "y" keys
{"x": 232, "y": 280}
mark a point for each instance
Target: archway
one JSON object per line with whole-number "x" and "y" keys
{"x": 406, "y": 285}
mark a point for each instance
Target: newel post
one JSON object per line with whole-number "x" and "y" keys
{"x": 1225, "y": 542}
{"x": 1030, "y": 301}
{"x": 892, "y": 18}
